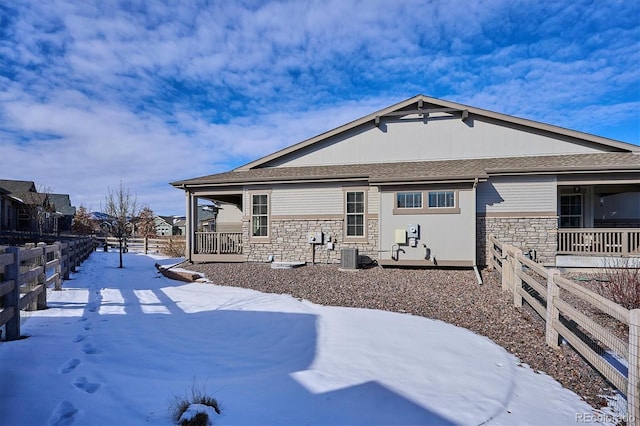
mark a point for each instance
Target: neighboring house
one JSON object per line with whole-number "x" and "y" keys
{"x": 179, "y": 225}
{"x": 229, "y": 217}
{"x": 175, "y": 225}
{"x": 423, "y": 183}
{"x": 206, "y": 217}
{"x": 7, "y": 210}
{"x": 163, "y": 225}
{"x": 64, "y": 211}
{"x": 32, "y": 210}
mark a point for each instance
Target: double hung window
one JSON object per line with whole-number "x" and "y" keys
{"x": 260, "y": 215}
{"x": 571, "y": 211}
{"x": 355, "y": 204}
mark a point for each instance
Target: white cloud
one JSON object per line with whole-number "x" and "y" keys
{"x": 91, "y": 92}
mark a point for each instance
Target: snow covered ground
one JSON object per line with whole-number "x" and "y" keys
{"x": 116, "y": 346}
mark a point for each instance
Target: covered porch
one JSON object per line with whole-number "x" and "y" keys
{"x": 214, "y": 227}
{"x": 598, "y": 223}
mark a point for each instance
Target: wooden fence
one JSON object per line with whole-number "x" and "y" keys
{"x": 26, "y": 272}
{"x": 146, "y": 245}
{"x": 575, "y": 313}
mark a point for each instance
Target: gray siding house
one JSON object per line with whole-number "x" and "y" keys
{"x": 64, "y": 210}
{"x": 423, "y": 183}
{"x": 25, "y": 209}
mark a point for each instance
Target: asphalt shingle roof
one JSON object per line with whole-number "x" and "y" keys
{"x": 438, "y": 170}
{"x": 23, "y": 190}
{"x": 17, "y": 187}
{"x": 63, "y": 204}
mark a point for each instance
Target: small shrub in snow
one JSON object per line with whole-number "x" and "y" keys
{"x": 195, "y": 410}
{"x": 174, "y": 248}
{"x": 620, "y": 282}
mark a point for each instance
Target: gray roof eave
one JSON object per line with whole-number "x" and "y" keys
{"x": 562, "y": 170}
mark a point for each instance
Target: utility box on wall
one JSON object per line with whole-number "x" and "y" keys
{"x": 413, "y": 230}
{"x": 315, "y": 238}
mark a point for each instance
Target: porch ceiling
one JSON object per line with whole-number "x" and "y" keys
{"x": 601, "y": 189}
{"x": 225, "y": 198}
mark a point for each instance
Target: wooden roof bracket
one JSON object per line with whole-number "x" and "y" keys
{"x": 422, "y": 112}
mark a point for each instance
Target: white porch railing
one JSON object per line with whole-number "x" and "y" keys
{"x": 599, "y": 241}
{"x": 218, "y": 243}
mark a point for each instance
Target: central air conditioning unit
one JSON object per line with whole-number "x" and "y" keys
{"x": 349, "y": 258}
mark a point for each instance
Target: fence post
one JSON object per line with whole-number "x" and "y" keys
{"x": 12, "y": 299}
{"x": 58, "y": 255}
{"x": 517, "y": 281}
{"x": 553, "y": 314}
{"x": 489, "y": 248}
{"x": 73, "y": 255}
{"x": 64, "y": 259}
{"x": 506, "y": 266}
{"x": 42, "y": 277}
{"x": 29, "y": 285}
{"x": 146, "y": 244}
{"x": 86, "y": 248}
{"x": 633, "y": 377}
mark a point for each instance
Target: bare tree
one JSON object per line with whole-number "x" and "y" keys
{"x": 44, "y": 211}
{"x": 120, "y": 208}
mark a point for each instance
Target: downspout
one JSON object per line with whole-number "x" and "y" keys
{"x": 475, "y": 233}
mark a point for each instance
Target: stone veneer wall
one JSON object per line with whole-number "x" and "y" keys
{"x": 528, "y": 233}
{"x": 289, "y": 243}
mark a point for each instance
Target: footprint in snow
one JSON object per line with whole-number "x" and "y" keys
{"x": 84, "y": 385}
{"x": 69, "y": 366}
{"x": 79, "y": 338}
{"x": 63, "y": 414}
{"x": 89, "y": 349}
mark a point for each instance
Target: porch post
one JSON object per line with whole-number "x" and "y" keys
{"x": 188, "y": 228}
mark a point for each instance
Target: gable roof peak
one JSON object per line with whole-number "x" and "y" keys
{"x": 422, "y": 104}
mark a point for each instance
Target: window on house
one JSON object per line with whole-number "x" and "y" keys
{"x": 260, "y": 215}
{"x": 355, "y": 214}
{"x": 442, "y": 199}
{"x": 409, "y": 200}
{"x": 571, "y": 211}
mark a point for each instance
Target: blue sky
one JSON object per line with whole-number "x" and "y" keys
{"x": 147, "y": 92}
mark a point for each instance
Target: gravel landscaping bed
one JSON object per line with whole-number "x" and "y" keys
{"x": 453, "y": 296}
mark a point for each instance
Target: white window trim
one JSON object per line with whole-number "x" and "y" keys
{"x": 425, "y": 204}
{"x": 266, "y": 238}
{"x": 560, "y": 215}
{"x": 358, "y": 238}
{"x": 397, "y": 194}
